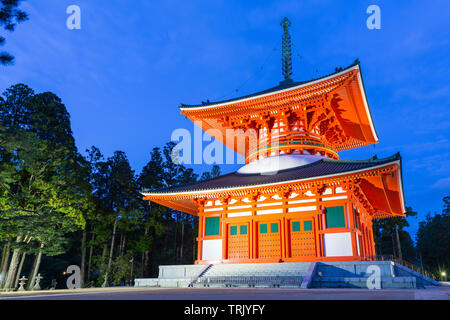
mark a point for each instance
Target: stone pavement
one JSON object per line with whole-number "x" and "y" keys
{"x": 131, "y": 293}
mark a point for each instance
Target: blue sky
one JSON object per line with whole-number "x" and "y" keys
{"x": 124, "y": 74}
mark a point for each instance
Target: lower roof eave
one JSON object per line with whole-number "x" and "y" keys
{"x": 274, "y": 184}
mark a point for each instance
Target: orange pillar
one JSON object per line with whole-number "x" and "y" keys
{"x": 224, "y": 230}
{"x": 254, "y": 229}
{"x": 317, "y": 228}
{"x": 200, "y": 234}
{"x": 283, "y": 229}
{"x": 352, "y": 227}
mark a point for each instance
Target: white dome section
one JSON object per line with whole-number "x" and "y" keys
{"x": 277, "y": 163}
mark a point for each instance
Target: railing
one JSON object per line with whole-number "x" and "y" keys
{"x": 196, "y": 278}
{"x": 403, "y": 263}
{"x": 290, "y": 140}
{"x": 252, "y": 281}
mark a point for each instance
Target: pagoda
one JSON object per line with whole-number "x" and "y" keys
{"x": 293, "y": 200}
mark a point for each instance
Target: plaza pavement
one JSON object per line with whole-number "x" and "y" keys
{"x": 131, "y": 293}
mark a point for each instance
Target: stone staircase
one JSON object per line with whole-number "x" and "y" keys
{"x": 264, "y": 275}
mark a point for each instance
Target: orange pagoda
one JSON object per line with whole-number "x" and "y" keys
{"x": 293, "y": 200}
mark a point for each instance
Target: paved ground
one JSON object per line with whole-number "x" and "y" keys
{"x": 441, "y": 293}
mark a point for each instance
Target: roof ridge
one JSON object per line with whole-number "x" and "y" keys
{"x": 374, "y": 158}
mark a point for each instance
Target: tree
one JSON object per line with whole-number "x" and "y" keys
{"x": 433, "y": 239}
{"x": 385, "y": 236}
{"x": 214, "y": 173}
{"x": 10, "y": 16}
{"x": 151, "y": 177}
{"x": 117, "y": 197}
{"x": 41, "y": 170}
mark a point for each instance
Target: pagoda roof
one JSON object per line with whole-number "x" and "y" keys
{"x": 350, "y": 107}
{"x": 384, "y": 191}
{"x": 318, "y": 169}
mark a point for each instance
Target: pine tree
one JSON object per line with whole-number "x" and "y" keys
{"x": 10, "y": 16}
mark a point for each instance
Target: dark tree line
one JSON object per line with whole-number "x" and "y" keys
{"x": 61, "y": 207}
{"x": 431, "y": 250}
{"x": 433, "y": 240}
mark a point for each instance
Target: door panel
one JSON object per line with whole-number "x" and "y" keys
{"x": 269, "y": 245}
{"x": 303, "y": 242}
{"x": 238, "y": 241}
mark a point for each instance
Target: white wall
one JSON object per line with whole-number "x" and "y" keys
{"x": 212, "y": 249}
{"x": 338, "y": 244}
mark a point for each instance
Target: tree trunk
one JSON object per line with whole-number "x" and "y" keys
{"x": 83, "y": 258}
{"x": 13, "y": 266}
{"x": 399, "y": 248}
{"x": 91, "y": 249}
{"x": 105, "y": 247}
{"x": 19, "y": 270}
{"x": 393, "y": 246}
{"x": 121, "y": 243}
{"x": 111, "y": 251}
{"x": 182, "y": 239}
{"x": 166, "y": 242}
{"x": 124, "y": 243}
{"x": 32, "y": 279}
{"x": 145, "y": 255}
{"x": 142, "y": 264}
{"x": 5, "y": 260}
{"x": 32, "y": 270}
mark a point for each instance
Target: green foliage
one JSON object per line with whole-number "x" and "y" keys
{"x": 10, "y": 16}
{"x": 44, "y": 182}
{"x": 385, "y": 237}
{"x": 121, "y": 269}
{"x": 433, "y": 239}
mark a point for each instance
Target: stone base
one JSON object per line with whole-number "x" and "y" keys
{"x": 342, "y": 274}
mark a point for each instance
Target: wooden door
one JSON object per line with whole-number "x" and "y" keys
{"x": 303, "y": 242}
{"x": 238, "y": 241}
{"x": 269, "y": 244}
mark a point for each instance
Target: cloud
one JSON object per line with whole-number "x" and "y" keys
{"x": 442, "y": 183}
{"x": 434, "y": 164}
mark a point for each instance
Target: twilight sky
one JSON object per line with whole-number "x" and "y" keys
{"x": 124, "y": 74}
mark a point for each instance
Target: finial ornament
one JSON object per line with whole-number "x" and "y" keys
{"x": 287, "y": 50}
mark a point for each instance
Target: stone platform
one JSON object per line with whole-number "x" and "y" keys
{"x": 347, "y": 274}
